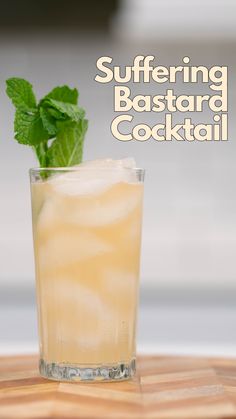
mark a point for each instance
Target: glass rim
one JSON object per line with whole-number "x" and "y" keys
{"x": 77, "y": 168}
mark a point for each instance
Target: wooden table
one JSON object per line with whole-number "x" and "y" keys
{"x": 165, "y": 387}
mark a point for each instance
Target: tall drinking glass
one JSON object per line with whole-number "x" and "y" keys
{"x": 87, "y": 231}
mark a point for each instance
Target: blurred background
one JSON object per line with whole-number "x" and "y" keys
{"x": 188, "y": 265}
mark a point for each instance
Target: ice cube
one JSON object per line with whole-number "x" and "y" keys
{"x": 94, "y": 177}
{"x": 58, "y": 211}
{"x": 66, "y": 247}
{"x": 90, "y": 197}
{"x": 127, "y": 162}
{"x": 112, "y": 209}
{"x": 84, "y": 317}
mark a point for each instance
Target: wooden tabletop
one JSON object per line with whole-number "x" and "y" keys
{"x": 165, "y": 387}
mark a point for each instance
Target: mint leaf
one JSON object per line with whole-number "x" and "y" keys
{"x": 21, "y": 93}
{"x": 29, "y": 128}
{"x": 49, "y": 122}
{"x": 57, "y": 117}
{"x": 67, "y": 148}
{"x": 67, "y": 110}
{"x": 63, "y": 94}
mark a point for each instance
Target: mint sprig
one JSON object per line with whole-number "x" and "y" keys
{"x": 21, "y": 93}
{"x": 67, "y": 149}
{"x": 55, "y": 127}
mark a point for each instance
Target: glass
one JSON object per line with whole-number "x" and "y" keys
{"x": 87, "y": 234}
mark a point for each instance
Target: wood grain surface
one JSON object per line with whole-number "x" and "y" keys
{"x": 165, "y": 387}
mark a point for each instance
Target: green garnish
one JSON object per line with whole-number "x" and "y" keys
{"x": 55, "y": 127}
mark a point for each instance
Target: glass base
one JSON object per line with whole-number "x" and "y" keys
{"x": 68, "y": 372}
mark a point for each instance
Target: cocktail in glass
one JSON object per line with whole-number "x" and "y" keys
{"x": 87, "y": 233}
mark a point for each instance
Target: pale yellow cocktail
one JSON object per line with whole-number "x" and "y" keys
{"x": 87, "y": 231}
